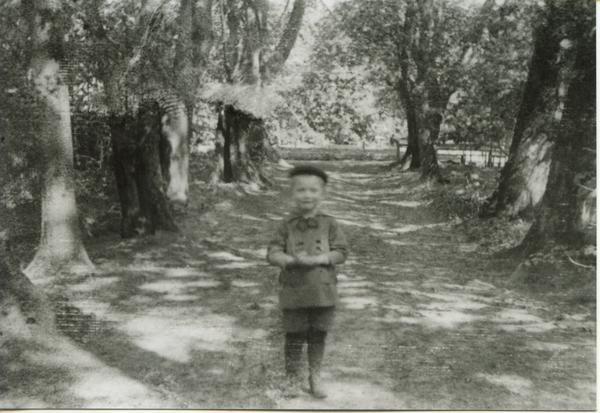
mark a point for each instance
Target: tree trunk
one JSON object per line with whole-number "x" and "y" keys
{"x": 150, "y": 143}
{"x": 150, "y": 182}
{"x": 413, "y": 150}
{"x": 191, "y": 57}
{"x": 218, "y": 172}
{"x": 423, "y": 97}
{"x": 261, "y": 150}
{"x": 524, "y": 177}
{"x": 423, "y": 132}
{"x": 288, "y": 38}
{"x": 269, "y": 152}
{"x": 414, "y": 90}
{"x": 60, "y": 247}
{"x": 29, "y": 299}
{"x": 124, "y": 152}
{"x": 175, "y": 120}
{"x": 566, "y": 214}
{"x": 138, "y": 170}
{"x": 242, "y": 140}
{"x": 428, "y": 135}
{"x": 239, "y": 132}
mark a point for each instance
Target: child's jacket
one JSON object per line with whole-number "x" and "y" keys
{"x": 309, "y": 286}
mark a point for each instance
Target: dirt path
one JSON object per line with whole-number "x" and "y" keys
{"x": 192, "y": 320}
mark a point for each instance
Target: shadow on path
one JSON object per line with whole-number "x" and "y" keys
{"x": 190, "y": 320}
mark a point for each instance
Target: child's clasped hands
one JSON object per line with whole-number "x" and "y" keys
{"x": 305, "y": 260}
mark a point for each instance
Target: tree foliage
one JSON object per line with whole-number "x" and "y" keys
{"x": 20, "y": 151}
{"x": 485, "y": 105}
{"x": 456, "y": 69}
{"x": 251, "y": 56}
{"x": 340, "y": 104}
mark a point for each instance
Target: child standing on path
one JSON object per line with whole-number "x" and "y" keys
{"x": 307, "y": 246}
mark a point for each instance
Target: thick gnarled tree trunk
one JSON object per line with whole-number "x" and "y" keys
{"x": 139, "y": 173}
{"x": 241, "y": 137}
{"x": 428, "y": 136}
{"x": 60, "y": 247}
{"x": 524, "y": 177}
{"x": 151, "y": 139}
{"x": 423, "y": 129}
{"x": 242, "y": 140}
{"x": 567, "y": 212}
{"x": 191, "y": 58}
{"x": 422, "y": 94}
{"x": 174, "y": 145}
{"x": 169, "y": 125}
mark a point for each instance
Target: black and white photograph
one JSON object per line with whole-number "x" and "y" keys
{"x": 298, "y": 205}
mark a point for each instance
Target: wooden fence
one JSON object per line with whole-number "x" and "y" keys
{"x": 479, "y": 157}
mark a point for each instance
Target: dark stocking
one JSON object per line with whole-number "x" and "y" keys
{"x": 293, "y": 352}
{"x": 316, "y": 348}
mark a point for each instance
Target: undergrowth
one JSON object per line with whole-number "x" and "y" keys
{"x": 494, "y": 234}
{"x": 463, "y": 197}
{"x": 566, "y": 274}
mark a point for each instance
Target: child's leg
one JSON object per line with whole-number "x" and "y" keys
{"x": 316, "y": 349}
{"x": 320, "y": 321}
{"x": 293, "y": 352}
{"x": 295, "y": 325}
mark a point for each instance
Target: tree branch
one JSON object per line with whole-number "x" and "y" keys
{"x": 288, "y": 39}
{"x": 476, "y": 31}
{"x": 329, "y": 10}
{"x": 585, "y": 187}
{"x": 578, "y": 264}
{"x": 140, "y": 49}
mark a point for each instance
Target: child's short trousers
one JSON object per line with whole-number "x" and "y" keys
{"x": 299, "y": 320}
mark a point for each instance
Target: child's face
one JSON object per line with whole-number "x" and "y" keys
{"x": 307, "y": 192}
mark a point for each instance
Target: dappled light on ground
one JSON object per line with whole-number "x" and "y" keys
{"x": 259, "y": 253}
{"x": 191, "y": 320}
{"x": 93, "y": 284}
{"x": 225, "y": 256}
{"x": 174, "y": 335}
{"x": 175, "y": 288}
{"x": 237, "y": 265}
{"x": 347, "y": 395}
{"x": 75, "y": 377}
{"x": 512, "y": 383}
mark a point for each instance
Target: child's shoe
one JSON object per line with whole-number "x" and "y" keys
{"x": 316, "y": 386}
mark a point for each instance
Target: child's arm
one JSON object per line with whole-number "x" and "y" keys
{"x": 338, "y": 246}
{"x": 280, "y": 259}
{"x": 276, "y": 252}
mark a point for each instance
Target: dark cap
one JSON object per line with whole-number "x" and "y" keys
{"x": 308, "y": 170}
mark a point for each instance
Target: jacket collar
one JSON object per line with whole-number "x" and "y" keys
{"x": 295, "y": 215}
